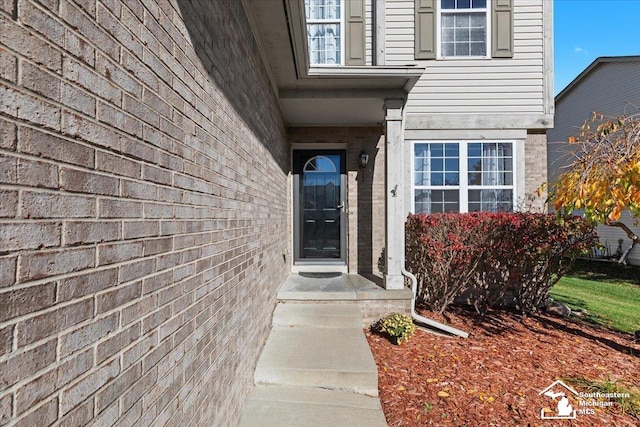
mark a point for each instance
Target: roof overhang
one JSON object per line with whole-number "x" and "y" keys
{"x": 343, "y": 96}
{"x": 320, "y": 96}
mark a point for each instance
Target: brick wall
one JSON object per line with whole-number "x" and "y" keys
{"x": 143, "y": 214}
{"x": 535, "y": 159}
{"x": 365, "y": 188}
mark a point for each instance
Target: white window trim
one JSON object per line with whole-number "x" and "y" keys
{"x": 463, "y": 187}
{"x": 439, "y": 33}
{"x": 341, "y": 22}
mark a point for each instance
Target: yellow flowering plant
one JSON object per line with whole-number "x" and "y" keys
{"x": 398, "y": 326}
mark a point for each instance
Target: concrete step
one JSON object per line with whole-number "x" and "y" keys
{"x": 303, "y": 407}
{"x": 305, "y": 288}
{"x": 330, "y": 358}
{"x": 317, "y": 315}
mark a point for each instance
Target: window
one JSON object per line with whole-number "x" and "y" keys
{"x": 463, "y": 177}
{"x": 324, "y": 31}
{"x": 437, "y": 177}
{"x": 463, "y": 28}
{"x": 490, "y": 176}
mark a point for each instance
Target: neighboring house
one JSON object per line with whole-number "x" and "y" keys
{"x": 165, "y": 164}
{"x": 610, "y": 86}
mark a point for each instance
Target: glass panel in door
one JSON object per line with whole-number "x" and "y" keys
{"x": 321, "y": 207}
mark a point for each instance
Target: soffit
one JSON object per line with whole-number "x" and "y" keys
{"x": 320, "y": 95}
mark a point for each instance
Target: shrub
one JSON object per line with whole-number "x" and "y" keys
{"x": 442, "y": 250}
{"x": 493, "y": 257}
{"x": 397, "y": 326}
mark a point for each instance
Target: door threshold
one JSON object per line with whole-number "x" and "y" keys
{"x": 320, "y": 268}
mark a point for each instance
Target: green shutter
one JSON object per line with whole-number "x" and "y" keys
{"x": 354, "y": 32}
{"x": 502, "y": 28}
{"x": 425, "y": 41}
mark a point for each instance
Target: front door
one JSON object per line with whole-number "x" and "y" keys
{"x": 319, "y": 206}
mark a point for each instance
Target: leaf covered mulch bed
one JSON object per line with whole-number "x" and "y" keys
{"x": 494, "y": 377}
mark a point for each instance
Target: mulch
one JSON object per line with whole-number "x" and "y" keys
{"x": 494, "y": 377}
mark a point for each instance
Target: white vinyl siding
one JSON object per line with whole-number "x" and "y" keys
{"x": 399, "y": 32}
{"x": 474, "y": 86}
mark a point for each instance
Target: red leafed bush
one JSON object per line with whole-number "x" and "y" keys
{"x": 492, "y": 258}
{"x": 443, "y": 251}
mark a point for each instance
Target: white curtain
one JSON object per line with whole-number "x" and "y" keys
{"x": 493, "y": 173}
{"x": 423, "y": 165}
{"x": 324, "y": 44}
{"x": 322, "y": 9}
{"x": 323, "y": 37}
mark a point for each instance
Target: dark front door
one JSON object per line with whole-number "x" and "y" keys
{"x": 319, "y": 188}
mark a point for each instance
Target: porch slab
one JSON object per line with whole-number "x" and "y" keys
{"x": 282, "y": 406}
{"x": 336, "y": 287}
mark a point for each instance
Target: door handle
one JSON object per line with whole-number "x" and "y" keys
{"x": 340, "y": 206}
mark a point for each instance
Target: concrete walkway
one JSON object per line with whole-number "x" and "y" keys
{"x": 316, "y": 369}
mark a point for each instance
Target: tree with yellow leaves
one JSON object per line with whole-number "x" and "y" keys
{"x": 604, "y": 177}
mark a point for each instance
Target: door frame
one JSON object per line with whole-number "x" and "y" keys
{"x": 307, "y": 264}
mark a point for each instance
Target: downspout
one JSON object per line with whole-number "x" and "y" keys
{"x": 425, "y": 321}
{"x": 414, "y": 282}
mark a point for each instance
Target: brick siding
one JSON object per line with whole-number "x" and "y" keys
{"x": 143, "y": 214}
{"x": 535, "y": 158}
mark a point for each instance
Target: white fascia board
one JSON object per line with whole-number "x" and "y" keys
{"x": 365, "y": 71}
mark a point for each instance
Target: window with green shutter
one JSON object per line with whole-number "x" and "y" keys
{"x": 335, "y": 32}
{"x": 463, "y": 28}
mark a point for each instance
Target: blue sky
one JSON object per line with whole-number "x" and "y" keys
{"x": 587, "y": 29}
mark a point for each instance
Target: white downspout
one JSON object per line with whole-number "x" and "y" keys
{"x": 414, "y": 282}
{"x": 429, "y": 322}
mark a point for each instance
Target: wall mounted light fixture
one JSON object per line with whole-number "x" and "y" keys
{"x": 363, "y": 160}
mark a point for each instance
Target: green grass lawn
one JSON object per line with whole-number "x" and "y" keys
{"x": 609, "y": 293}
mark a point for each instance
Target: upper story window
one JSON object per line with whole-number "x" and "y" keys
{"x": 463, "y": 28}
{"x": 463, "y": 177}
{"x": 324, "y": 31}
